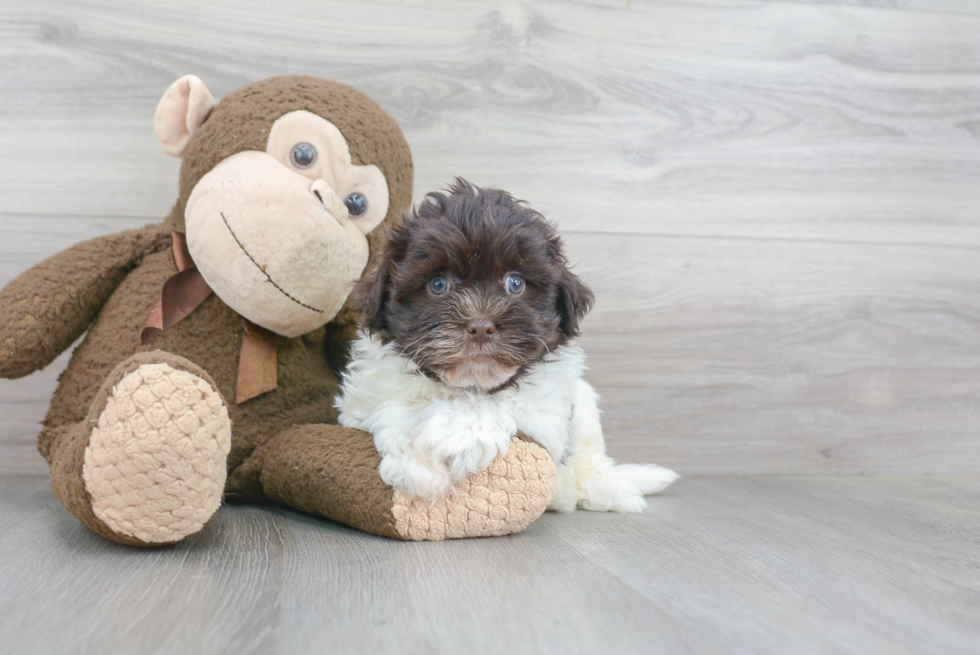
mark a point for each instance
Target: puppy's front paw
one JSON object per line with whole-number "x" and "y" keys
{"x": 463, "y": 441}
{"x": 609, "y": 493}
{"x": 415, "y": 477}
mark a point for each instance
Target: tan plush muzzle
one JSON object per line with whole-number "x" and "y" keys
{"x": 260, "y": 236}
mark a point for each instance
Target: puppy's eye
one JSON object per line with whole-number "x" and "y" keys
{"x": 356, "y": 203}
{"x": 515, "y": 284}
{"x": 303, "y": 155}
{"x": 438, "y": 285}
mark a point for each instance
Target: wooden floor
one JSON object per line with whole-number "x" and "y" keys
{"x": 718, "y": 565}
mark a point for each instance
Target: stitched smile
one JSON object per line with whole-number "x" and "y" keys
{"x": 262, "y": 268}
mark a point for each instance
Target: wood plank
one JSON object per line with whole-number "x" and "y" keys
{"x": 772, "y": 119}
{"x": 718, "y": 565}
{"x": 758, "y": 356}
{"x": 941, "y": 6}
{"x": 754, "y": 356}
{"x": 818, "y": 565}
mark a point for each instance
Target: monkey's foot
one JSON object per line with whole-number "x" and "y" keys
{"x": 155, "y": 464}
{"x": 505, "y": 498}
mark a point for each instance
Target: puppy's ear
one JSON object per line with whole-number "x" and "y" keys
{"x": 371, "y": 295}
{"x": 372, "y": 291}
{"x": 574, "y": 302}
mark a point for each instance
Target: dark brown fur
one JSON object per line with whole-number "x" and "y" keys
{"x": 476, "y": 238}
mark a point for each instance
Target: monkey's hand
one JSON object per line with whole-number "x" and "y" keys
{"x": 47, "y": 307}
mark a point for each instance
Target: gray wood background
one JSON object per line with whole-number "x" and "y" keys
{"x": 777, "y": 203}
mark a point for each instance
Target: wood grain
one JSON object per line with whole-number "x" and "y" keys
{"x": 718, "y": 565}
{"x": 763, "y": 356}
{"x": 776, "y": 202}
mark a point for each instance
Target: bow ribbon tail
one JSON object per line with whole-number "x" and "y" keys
{"x": 182, "y": 293}
{"x": 256, "y": 363}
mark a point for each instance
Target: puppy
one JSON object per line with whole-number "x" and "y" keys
{"x": 470, "y": 312}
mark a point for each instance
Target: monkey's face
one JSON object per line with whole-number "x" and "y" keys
{"x": 280, "y": 186}
{"x": 280, "y": 235}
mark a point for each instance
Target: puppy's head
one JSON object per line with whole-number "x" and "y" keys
{"x": 474, "y": 287}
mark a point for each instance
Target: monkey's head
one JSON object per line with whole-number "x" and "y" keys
{"x": 282, "y": 184}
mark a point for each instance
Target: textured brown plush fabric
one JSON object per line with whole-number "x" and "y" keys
{"x": 109, "y": 286}
{"x": 46, "y": 308}
{"x": 331, "y": 471}
{"x": 303, "y": 463}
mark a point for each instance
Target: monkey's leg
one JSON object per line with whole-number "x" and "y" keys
{"x": 148, "y": 465}
{"x": 332, "y": 471}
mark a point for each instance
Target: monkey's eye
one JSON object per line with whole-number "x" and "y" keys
{"x": 438, "y": 285}
{"x": 515, "y": 284}
{"x": 356, "y": 203}
{"x": 303, "y": 155}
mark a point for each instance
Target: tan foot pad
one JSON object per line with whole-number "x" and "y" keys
{"x": 512, "y": 493}
{"x": 155, "y": 465}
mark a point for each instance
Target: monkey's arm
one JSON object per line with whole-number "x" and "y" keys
{"x": 47, "y": 307}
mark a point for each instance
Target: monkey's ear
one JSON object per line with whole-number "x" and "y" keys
{"x": 181, "y": 111}
{"x": 574, "y": 302}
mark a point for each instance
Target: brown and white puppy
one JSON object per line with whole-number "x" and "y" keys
{"x": 470, "y": 314}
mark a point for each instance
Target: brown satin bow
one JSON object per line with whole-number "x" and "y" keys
{"x": 182, "y": 294}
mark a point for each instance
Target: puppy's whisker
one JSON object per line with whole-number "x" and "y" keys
{"x": 412, "y": 343}
{"x": 543, "y": 343}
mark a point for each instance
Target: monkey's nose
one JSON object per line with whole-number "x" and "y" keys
{"x": 330, "y": 200}
{"x": 481, "y": 330}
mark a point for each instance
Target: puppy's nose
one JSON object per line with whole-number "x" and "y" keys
{"x": 481, "y": 330}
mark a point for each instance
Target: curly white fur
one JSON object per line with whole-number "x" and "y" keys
{"x": 432, "y": 435}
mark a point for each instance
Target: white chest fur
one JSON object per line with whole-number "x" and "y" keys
{"x": 432, "y": 436}
{"x": 455, "y": 431}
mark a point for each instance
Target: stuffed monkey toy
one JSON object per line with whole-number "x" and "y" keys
{"x": 214, "y": 339}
